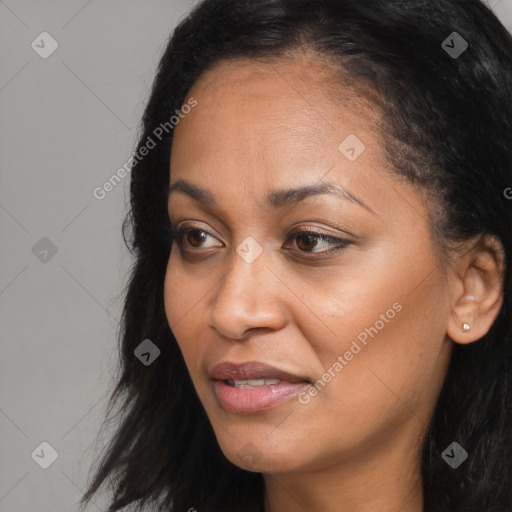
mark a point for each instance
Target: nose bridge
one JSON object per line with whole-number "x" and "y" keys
{"x": 246, "y": 297}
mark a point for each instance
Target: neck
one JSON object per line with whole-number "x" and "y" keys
{"x": 387, "y": 481}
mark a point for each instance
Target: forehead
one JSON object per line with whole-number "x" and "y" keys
{"x": 259, "y": 128}
{"x": 265, "y": 117}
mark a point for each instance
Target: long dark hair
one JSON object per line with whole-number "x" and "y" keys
{"x": 447, "y": 126}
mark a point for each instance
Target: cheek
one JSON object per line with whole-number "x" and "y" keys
{"x": 350, "y": 308}
{"x": 182, "y": 301}
{"x": 384, "y": 354}
{"x": 174, "y": 299}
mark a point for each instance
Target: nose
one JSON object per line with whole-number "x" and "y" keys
{"x": 248, "y": 299}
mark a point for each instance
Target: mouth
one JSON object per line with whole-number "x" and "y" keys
{"x": 253, "y": 373}
{"x": 252, "y": 387}
{"x": 252, "y": 383}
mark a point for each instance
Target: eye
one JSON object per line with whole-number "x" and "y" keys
{"x": 194, "y": 236}
{"x": 306, "y": 240}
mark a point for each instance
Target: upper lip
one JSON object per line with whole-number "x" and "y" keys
{"x": 229, "y": 370}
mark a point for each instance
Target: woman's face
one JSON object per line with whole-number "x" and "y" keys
{"x": 366, "y": 322}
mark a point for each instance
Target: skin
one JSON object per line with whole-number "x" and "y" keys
{"x": 355, "y": 446}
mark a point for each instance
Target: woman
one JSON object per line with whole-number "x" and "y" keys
{"x": 319, "y": 313}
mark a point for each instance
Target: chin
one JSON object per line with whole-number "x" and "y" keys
{"x": 262, "y": 457}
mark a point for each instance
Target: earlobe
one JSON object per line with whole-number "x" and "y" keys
{"x": 481, "y": 273}
{"x": 463, "y": 326}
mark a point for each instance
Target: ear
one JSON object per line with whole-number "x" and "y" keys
{"x": 478, "y": 290}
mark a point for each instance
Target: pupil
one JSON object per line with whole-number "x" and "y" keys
{"x": 310, "y": 241}
{"x": 196, "y": 235}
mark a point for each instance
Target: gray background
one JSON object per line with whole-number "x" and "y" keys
{"x": 68, "y": 123}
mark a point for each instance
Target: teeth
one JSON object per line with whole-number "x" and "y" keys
{"x": 256, "y": 382}
{"x": 252, "y": 383}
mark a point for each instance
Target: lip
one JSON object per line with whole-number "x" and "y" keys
{"x": 238, "y": 400}
{"x": 251, "y": 370}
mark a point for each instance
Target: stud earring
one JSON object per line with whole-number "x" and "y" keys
{"x": 466, "y": 327}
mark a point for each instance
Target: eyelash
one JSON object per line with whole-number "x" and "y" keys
{"x": 179, "y": 234}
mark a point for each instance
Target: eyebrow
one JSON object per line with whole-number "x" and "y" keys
{"x": 275, "y": 200}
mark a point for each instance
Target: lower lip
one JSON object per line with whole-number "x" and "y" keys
{"x": 233, "y": 399}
